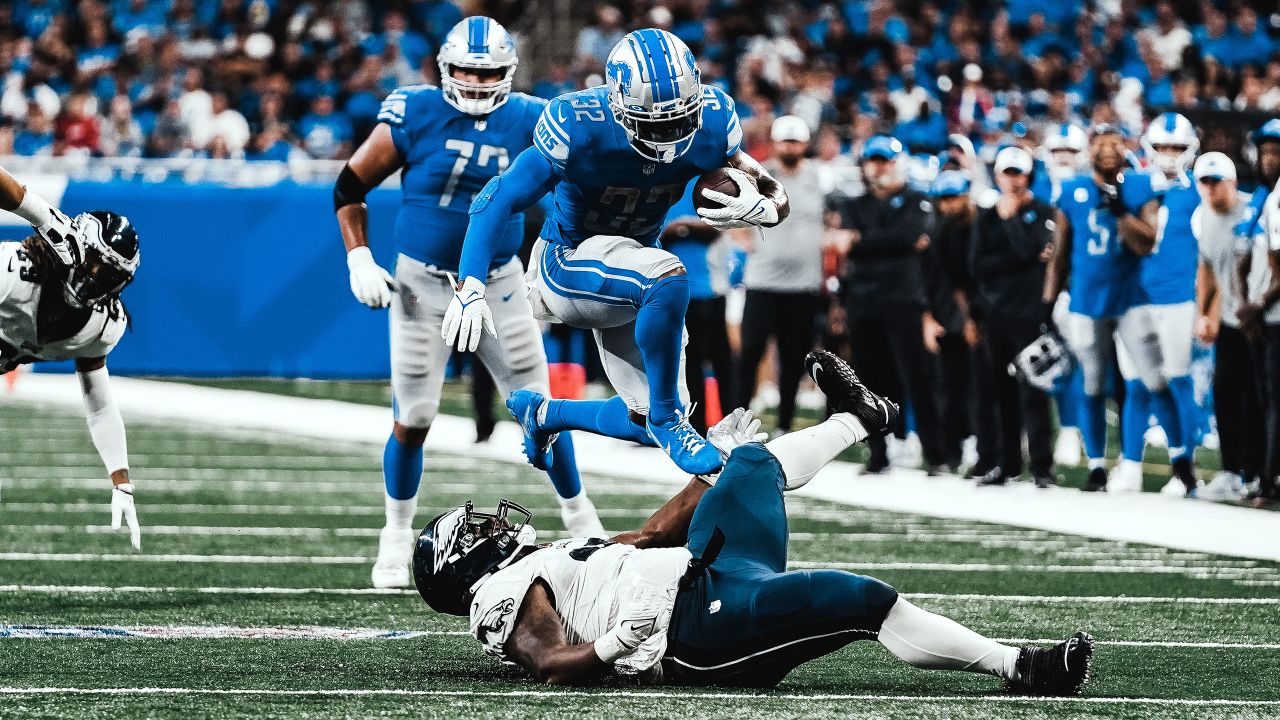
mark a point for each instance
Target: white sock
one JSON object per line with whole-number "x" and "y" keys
{"x": 804, "y": 452}
{"x": 1095, "y": 463}
{"x": 573, "y": 504}
{"x": 933, "y": 642}
{"x": 400, "y": 512}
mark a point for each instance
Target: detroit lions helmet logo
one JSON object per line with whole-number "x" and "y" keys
{"x": 620, "y": 73}
{"x": 693, "y": 65}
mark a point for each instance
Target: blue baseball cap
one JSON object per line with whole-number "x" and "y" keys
{"x": 1269, "y": 132}
{"x": 882, "y": 147}
{"x": 948, "y": 183}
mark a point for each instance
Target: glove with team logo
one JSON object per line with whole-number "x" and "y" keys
{"x": 468, "y": 316}
{"x": 1112, "y": 199}
{"x": 370, "y": 283}
{"x": 748, "y": 208}
{"x": 737, "y": 428}
{"x": 122, "y": 509}
{"x": 58, "y": 231}
{"x": 646, "y": 612}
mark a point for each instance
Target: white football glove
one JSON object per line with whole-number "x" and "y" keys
{"x": 370, "y": 283}
{"x": 62, "y": 236}
{"x": 645, "y": 612}
{"x": 737, "y": 428}
{"x": 468, "y": 316}
{"x": 749, "y": 208}
{"x": 122, "y": 507}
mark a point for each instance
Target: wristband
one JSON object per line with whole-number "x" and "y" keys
{"x": 34, "y": 209}
{"x": 609, "y": 648}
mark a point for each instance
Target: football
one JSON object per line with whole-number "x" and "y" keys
{"x": 717, "y": 180}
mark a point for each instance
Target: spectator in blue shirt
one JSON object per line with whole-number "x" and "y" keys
{"x": 435, "y": 17}
{"x": 556, "y": 83}
{"x": 413, "y": 45}
{"x": 147, "y": 15}
{"x": 326, "y": 133}
{"x": 1213, "y": 37}
{"x": 1250, "y": 43}
{"x": 36, "y": 136}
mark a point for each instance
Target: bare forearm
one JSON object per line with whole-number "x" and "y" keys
{"x": 669, "y": 526}
{"x": 11, "y": 191}
{"x": 1137, "y": 233}
{"x": 1206, "y": 289}
{"x": 1272, "y": 293}
{"x": 353, "y": 223}
{"x": 1055, "y": 274}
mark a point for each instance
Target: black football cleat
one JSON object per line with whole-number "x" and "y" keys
{"x": 846, "y": 393}
{"x": 1097, "y": 481}
{"x": 877, "y": 462}
{"x": 1060, "y": 670}
{"x": 1046, "y": 480}
{"x": 993, "y": 478}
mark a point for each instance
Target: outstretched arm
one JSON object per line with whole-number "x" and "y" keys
{"x": 669, "y": 526}
{"x": 49, "y": 222}
{"x": 106, "y": 427}
{"x": 524, "y": 183}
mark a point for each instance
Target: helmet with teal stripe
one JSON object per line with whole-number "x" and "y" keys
{"x": 655, "y": 93}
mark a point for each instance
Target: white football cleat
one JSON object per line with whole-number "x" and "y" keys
{"x": 1174, "y": 488}
{"x": 395, "y": 551}
{"x": 1127, "y": 478}
{"x": 1224, "y": 487}
{"x": 1067, "y": 449}
{"x": 582, "y": 522}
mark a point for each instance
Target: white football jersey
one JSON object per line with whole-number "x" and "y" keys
{"x": 19, "y": 301}
{"x": 586, "y": 579}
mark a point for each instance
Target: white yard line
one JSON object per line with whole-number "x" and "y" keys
{"x": 640, "y": 694}
{"x": 1142, "y": 518}
{"x": 315, "y": 632}
{"x": 354, "y": 485}
{"x": 962, "y": 597}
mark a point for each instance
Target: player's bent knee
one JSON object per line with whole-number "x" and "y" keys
{"x": 417, "y": 416}
{"x": 410, "y": 436}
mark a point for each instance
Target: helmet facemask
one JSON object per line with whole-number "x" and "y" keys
{"x": 104, "y": 271}
{"x": 664, "y": 134}
{"x": 460, "y": 549}
{"x": 476, "y": 98}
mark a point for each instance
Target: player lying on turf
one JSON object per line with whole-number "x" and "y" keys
{"x": 701, "y": 594}
{"x": 60, "y": 300}
{"x": 616, "y": 158}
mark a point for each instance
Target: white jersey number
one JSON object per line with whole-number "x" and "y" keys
{"x": 1099, "y": 235}
{"x": 466, "y": 149}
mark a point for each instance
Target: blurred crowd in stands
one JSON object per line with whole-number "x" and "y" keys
{"x": 274, "y": 79}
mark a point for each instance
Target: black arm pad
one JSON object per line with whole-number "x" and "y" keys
{"x": 349, "y": 189}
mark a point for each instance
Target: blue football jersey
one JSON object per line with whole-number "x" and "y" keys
{"x": 448, "y": 156}
{"x": 1168, "y": 274}
{"x": 605, "y": 187}
{"x": 1104, "y": 272}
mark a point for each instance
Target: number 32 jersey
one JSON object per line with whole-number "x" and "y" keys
{"x": 448, "y": 156}
{"x": 606, "y": 187}
{"x": 1104, "y": 272}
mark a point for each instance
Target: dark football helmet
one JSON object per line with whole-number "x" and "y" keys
{"x": 458, "y": 549}
{"x": 109, "y": 258}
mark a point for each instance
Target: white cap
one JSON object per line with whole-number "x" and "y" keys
{"x": 1214, "y": 165}
{"x": 1013, "y": 158}
{"x": 789, "y": 127}
{"x": 972, "y": 72}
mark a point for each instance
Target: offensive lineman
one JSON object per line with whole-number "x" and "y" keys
{"x": 449, "y": 141}
{"x": 1167, "y": 311}
{"x": 618, "y": 157}
{"x": 60, "y": 300}
{"x": 1106, "y": 223}
{"x": 639, "y": 604}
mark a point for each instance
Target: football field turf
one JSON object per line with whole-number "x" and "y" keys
{"x": 249, "y": 597}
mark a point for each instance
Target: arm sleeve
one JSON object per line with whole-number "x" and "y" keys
{"x": 733, "y": 128}
{"x": 106, "y": 427}
{"x": 529, "y": 178}
{"x": 392, "y": 113}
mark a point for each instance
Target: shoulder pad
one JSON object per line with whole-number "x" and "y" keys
{"x": 394, "y": 106}
{"x": 551, "y": 134}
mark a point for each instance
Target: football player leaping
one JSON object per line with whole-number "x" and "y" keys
{"x": 618, "y": 156}
{"x": 449, "y": 141}
{"x": 640, "y": 603}
{"x": 1106, "y": 223}
{"x": 1167, "y": 311}
{"x": 60, "y": 300}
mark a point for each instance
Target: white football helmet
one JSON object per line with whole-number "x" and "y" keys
{"x": 1064, "y": 150}
{"x": 655, "y": 93}
{"x": 1165, "y": 134}
{"x": 477, "y": 43}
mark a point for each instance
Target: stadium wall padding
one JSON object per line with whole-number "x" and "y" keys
{"x": 244, "y": 281}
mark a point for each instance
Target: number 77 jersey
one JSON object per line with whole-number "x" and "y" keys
{"x": 606, "y": 187}
{"x": 448, "y": 156}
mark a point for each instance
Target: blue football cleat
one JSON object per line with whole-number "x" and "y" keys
{"x": 524, "y": 406}
{"x": 688, "y": 450}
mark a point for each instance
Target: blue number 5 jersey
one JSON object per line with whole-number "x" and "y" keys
{"x": 1104, "y": 271}
{"x": 606, "y": 187}
{"x": 448, "y": 157}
